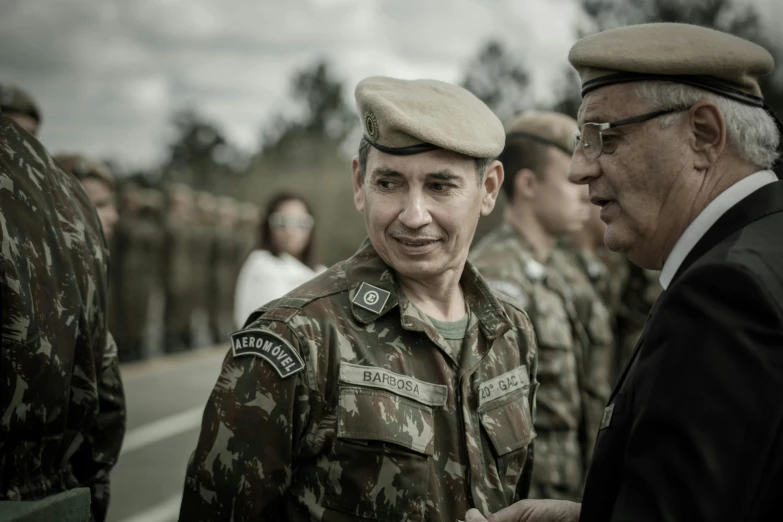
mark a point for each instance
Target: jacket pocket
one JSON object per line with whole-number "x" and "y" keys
{"x": 508, "y": 423}
{"x": 381, "y": 457}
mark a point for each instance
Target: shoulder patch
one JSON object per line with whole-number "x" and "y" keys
{"x": 371, "y": 297}
{"x": 261, "y": 343}
{"x": 511, "y": 291}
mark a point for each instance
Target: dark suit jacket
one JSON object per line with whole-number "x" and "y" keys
{"x": 696, "y": 425}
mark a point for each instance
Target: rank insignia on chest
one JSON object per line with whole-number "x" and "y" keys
{"x": 535, "y": 270}
{"x": 371, "y": 298}
{"x": 274, "y": 349}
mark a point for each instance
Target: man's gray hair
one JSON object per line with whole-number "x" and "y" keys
{"x": 750, "y": 131}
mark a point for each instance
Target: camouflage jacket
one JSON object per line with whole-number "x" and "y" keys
{"x": 577, "y": 266}
{"x": 609, "y": 273}
{"x": 62, "y": 407}
{"x": 341, "y": 401}
{"x": 638, "y": 298}
{"x": 507, "y": 262}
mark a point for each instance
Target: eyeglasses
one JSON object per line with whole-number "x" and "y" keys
{"x": 592, "y": 139}
{"x": 282, "y": 221}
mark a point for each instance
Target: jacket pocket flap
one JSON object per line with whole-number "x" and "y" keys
{"x": 509, "y": 425}
{"x": 374, "y": 414}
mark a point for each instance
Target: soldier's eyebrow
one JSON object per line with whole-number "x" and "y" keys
{"x": 386, "y": 172}
{"x": 444, "y": 175}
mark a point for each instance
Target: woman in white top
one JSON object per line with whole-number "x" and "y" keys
{"x": 285, "y": 259}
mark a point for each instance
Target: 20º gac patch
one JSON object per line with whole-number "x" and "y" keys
{"x": 274, "y": 349}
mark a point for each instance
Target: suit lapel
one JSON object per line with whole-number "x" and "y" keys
{"x": 636, "y": 349}
{"x": 766, "y": 200}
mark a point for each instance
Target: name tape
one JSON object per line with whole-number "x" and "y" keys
{"x": 503, "y": 385}
{"x": 374, "y": 377}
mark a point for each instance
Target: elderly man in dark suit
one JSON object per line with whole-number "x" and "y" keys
{"x": 675, "y": 145}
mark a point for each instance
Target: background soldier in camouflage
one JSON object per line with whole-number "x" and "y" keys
{"x": 132, "y": 274}
{"x": 202, "y": 240}
{"x": 627, "y": 290}
{"x": 395, "y": 385}
{"x": 641, "y": 290}
{"x": 599, "y": 354}
{"x": 178, "y": 267}
{"x": 516, "y": 259}
{"x": 223, "y": 269}
{"x": 249, "y": 231}
{"x": 607, "y": 270}
{"x": 98, "y": 182}
{"x": 62, "y": 407}
{"x": 19, "y": 106}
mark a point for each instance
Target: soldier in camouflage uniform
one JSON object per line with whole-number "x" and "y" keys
{"x": 248, "y": 234}
{"x": 98, "y": 182}
{"x": 19, "y": 106}
{"x": 598, "y": 358}
{"x": 131, "y": 274}
{"x": 627, "y": 291}
{"x": 62, "y": 406}
{"x": 202, "y": 241}
{"x": 152, "y": 216}
{"x": 641, "y": 290}
{"x": 516, "y": 259}
{"x": 222, "y": 274}
{"x": 178, "y": 268}
{"x": 395, "y": 385}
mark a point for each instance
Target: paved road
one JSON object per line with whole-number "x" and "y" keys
{"x": 166, "y": 398}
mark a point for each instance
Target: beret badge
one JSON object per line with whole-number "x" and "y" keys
{"x": 371, "y": 125}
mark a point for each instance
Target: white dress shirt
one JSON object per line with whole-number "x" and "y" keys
{"x": 708, "y": 217}
{"x": 265, "y": 277}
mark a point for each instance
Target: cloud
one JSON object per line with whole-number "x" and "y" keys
{"x": 108, "y": 73}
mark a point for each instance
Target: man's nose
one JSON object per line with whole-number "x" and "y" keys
{"x": 582, "y": 170}
{"x": 415, "y": 214}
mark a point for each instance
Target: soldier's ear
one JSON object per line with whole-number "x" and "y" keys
{"x": 525, "y": 184}
{"x": 492, "y": 180}
{"x": 358, "y": 184}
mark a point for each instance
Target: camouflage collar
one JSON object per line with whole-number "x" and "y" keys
{"x": 366, "y": 267}
{"x": 534, "y": 270}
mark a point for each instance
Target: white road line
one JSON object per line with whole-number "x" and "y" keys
{"x": 167, "y": 511}
{"x": 162, "y": 429}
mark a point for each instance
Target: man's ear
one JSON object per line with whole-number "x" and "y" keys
{"x": 358, "y": 185}
{"x": 525, "y": 184}
{"x": 493, "y": 179}
{"x": 708, "y": 134}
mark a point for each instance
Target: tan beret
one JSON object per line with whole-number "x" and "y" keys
{"x": 84, "y": 167}
{"x": 550, "y": 128}
{"x": 405, "y": 117}
{"x": 14, "y": 99}
{"x": 681, "y": 53}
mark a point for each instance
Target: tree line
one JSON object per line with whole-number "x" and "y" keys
{"x": 308, "y": 153}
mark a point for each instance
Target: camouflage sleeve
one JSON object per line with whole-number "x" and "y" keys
{"x": 523, "y": 492}
{"x": 104, "y": 440}
{"x": 250, "y": 432}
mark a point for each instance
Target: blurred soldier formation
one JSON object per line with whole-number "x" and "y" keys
{"x": 175, "y": 259}
{"x": 175, "y": 252}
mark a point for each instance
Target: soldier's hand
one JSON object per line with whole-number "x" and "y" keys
{"x": 531, "y": 511}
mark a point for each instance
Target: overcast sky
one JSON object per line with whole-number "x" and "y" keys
{"x": 108, "y": 73}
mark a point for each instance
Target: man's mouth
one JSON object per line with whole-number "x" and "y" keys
{"x": 415, "y": 242}
{"x": 601, "y": 202}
